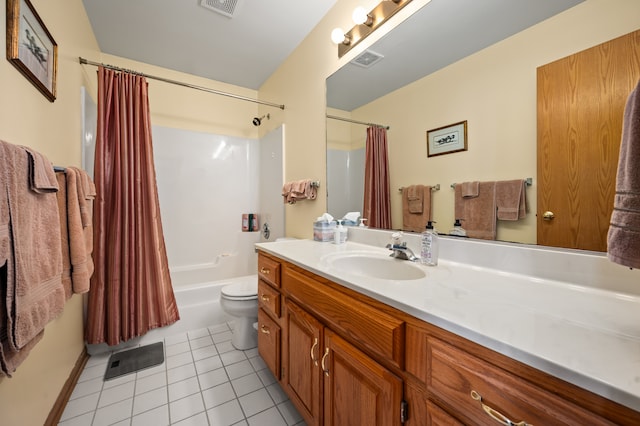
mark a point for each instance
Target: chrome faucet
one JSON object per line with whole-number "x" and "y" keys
{"x": 402, "y": 252}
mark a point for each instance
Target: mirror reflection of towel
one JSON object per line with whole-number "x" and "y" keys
{"x": 478, "y": 213}
{"x": 470, "y": 189}
{"x": 416, "y": 222}
{"x": 511, "y": 199}
{"x": 415, "y": 199}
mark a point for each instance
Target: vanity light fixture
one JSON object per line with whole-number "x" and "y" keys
{"x": 360, "y": 16}
{"x": 339, "y": 37}
{"x": 366, "y": 23}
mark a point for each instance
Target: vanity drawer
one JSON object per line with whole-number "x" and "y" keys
{"x": 454, "y": 375}
{"x": 353, "y": 319}
{"x": 269, "y": 335}
{"x": 269, "y": 270}
{"x": 268, "y": 298}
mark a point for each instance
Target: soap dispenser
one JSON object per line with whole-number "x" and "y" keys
{"x": 429, "y": 246}
{"x": 340, "y": 233}
{"x": 458, "y": 230}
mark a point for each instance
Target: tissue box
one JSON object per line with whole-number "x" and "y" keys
{"x": 323, "y": 231}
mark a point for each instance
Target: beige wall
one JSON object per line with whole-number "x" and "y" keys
{"x": 28, "y": 118}
{"x": 494, "y": 90}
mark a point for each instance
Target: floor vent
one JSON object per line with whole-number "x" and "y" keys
{"x": 367, "y": 58}
{"x": 227, "y": 8}
{"x": 132, "y": 360}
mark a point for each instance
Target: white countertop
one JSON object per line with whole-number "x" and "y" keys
{"x": 584, "y": 335}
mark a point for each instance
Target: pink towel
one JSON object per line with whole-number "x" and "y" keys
{"x": 33, "y": 264}
{"x": 511, "y": 199}
{"x": 415, "y": 198}
{"x": 299, "y": 190}
{"x": 416, "y": 222}
{"x": 78, "y": 220}
{"x": 470, "y": 189}
{"x": 42, "y": 178}
{"x": 623, "y": 238}
{"x": 478, "y": 213}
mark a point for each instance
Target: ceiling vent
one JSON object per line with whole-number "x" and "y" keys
{"x": 367, "y": 59}
{"x": 227, "y": 8}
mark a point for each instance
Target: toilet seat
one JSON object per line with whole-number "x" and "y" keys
{"x": 244, "y": 290}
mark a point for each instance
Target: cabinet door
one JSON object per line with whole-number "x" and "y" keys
{"x": 357, "y": 390}
{"x": 269, "y": 335}
{"x": 302, "y": 376}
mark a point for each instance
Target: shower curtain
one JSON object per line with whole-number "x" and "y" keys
{"x": 131, "y": 290}
{"x": 377, "y": 198}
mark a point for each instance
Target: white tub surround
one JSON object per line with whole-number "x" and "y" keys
{"x": 571, "y": 314}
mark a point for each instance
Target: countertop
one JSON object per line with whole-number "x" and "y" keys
{"x": 586, "y": 336}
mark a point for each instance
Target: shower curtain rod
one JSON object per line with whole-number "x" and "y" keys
{"x": 335, "y": 117}
{"x": 179, "y": 83}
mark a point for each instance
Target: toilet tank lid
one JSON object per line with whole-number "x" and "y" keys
{"x": 244, "y": 288}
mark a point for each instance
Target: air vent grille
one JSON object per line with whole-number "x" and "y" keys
{"x": 367, "y": 58}
{"x": 227, "y": 8}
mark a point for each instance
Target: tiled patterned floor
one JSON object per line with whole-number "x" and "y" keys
{"x": 203, "y": 381}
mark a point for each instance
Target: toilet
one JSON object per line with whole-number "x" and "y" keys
{"x": 240, "y": 300}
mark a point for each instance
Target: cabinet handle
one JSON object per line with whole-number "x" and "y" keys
{"x": 264, "y": 329}
{"x": 313, "y": 358}
{"x": 326, "y": 371}
{"x": 265, "y": 298}
{"x": 265, "y": 271}
{"x": 496, "y": 415}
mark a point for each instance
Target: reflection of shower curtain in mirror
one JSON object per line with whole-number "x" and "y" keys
{"x": 377, "y": 202}
{"x": 131, "y": 289}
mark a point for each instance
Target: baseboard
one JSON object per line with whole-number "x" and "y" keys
{"x": 67, "y": 390}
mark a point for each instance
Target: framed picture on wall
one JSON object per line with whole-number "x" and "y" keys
{"x": 31, "y": 48}
{"x": 447, "y": 139}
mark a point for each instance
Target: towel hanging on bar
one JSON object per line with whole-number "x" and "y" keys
{"x": 528, "y": 181}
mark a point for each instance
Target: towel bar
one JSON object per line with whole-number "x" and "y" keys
{"x": 528, "y": 181}
{"x": 435, "y": 187}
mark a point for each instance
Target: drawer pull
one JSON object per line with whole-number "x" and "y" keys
{"x": 326, "y": 371}
{"x": 265, "y": 298}
{"x": 265, "y": 330}
{"x": 496, "y": 415}
{"x": 265, "y": 271}
{"x": 313, "y": 358}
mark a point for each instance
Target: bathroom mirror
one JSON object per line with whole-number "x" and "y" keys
{"x": 400, "y": 81}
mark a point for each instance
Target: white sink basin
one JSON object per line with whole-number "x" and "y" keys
{"x": 374, "y": 265}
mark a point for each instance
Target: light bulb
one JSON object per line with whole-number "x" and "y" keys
{"x": 337, "y": 36}
{"x": 359, "y": 15}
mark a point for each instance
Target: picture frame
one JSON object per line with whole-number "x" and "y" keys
{"x": 31, "y": 48}
{"x": 447, "y": 139}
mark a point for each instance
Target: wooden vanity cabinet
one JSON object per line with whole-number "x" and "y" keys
{"x": 328, "y": 378}
{"x": 302, "y": 346}
{"x": 347, "y": 359}
{"x": 269, "y": 313}
{"x": 465, "y": 383}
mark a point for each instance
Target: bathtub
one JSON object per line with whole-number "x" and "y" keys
{"x": 199, "y": 307}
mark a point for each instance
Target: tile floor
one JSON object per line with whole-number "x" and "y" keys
{"x": 204, "y": 380}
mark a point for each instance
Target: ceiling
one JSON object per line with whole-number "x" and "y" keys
{"x": 248, "y": 47}
{"x": 439, "y": 34}
{"x": 181, "y": 35}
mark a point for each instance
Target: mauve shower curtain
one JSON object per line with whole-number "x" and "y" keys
{"x": 131, "y": 290}
{"x": 377, "y": 197}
